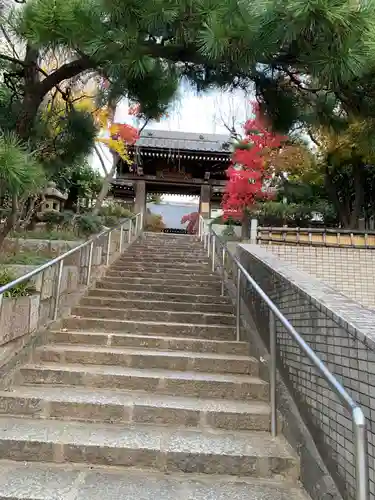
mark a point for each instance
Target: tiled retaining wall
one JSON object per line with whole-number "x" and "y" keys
{"x": 342, "y": 333}
{"x": 348, "y": 270}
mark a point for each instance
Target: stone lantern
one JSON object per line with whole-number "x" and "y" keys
{"x": 53, "y": 199}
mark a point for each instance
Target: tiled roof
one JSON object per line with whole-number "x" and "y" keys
{"x": 184, "y": 141}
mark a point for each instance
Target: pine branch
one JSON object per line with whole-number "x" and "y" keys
{"x": 65, "y": 72}
{"x": 13, "y": 60}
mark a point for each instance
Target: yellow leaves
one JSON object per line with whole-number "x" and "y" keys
{"x": 102, "y": 117}
{"x": 118, "y": 146}
{"x": 290, "y": 159}
{"x": 353, "y": 141}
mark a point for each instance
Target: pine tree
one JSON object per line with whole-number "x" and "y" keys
{"x": 309, "y": 60}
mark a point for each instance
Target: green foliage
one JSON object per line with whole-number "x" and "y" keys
{"x": 88, "y": 224}
{"x": 116, "y": 210}
{"x": 113, "y": 213}
{"x": 80, "y": 180}
{"x": 51, "y": 235}
{"x": 20, "y": 173}
{"x": 23, "y": 257}
{"x": 21, "y": 290}
{"x": 61, "y": 220}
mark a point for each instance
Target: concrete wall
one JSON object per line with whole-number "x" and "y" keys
{"x": 341, "y": 333}
{"x": 351, "y": 271}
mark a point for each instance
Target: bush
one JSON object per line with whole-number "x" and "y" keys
{"x": 116, "y": 210}
{"x": 21, "y": 290}
{"x": 154, "y": 223}
{"x": 61, "y": 220}
{"x": 88, "y": 224}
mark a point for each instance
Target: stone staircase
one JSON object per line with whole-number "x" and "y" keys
{"x": 145, "y": 394}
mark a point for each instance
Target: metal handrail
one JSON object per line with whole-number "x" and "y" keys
{"x": 206, "y": 233}
{"x": 138, "y": 218}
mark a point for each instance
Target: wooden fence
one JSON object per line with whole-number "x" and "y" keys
{"x": 315, "y": 237}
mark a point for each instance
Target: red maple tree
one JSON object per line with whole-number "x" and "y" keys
{"x": 193, "y": 220}
{"x": 248, "y": 169}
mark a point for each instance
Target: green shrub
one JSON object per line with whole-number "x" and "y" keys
{"x": 115, "y": 210}
{"x": 21, "y": 290}
{"x": 26, "y": 258}
{"x": 63, "y": 220}
{"x": 88, "y": 224}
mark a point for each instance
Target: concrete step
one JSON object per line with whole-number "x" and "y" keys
{"x": 193, "y": 263}
{"x": 118, "y": 283}
{"x": 75, "y": 403}
{"x": 166, "y": 263}
{"x": 174, "y": 383}
{"x": 163, "y": 274}
{"x": 212, "y": 332}
{"x": 155, "y": 268}
{"x": 159, "y": 296}
{"x": 184, "y": 317}
{"x": 147, "y": 358}
{"x": 148, "y": 341}
{"x": 161, "y": 448}
{"x": 155, "y": 305}
{"x": 166, "y": 281}
{"x": 157, "y": 254}
{"x": 150, "y": 249}
{"x": 38, "y": 481}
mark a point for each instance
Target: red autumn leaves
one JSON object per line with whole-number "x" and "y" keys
{"x": 249, "y": 167}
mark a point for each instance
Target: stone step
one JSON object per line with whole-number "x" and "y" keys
{"x": 183, "y": 317}
{"x": 116, "y": 283}
{"x": 166, "y": 449}
{"x": 163, "y": 274}
{"x": 152, "y": 268}
{"x": 40, "y": 481}
{"x": 148, "y": 341}
{"x": 174, "y": 383}
{"x": 146, "y": 358}
{"x": 159, "y": 253}
{"x": 155, "y": 305}
{"x": 75, "y": 403}
{"x": 159, "y": 296}
{"x": 165, "y": 281}
{"x": 127, "y": 262}
{"x": 169, "y": 250}
{"x": 194, "y": 262}
{"x": 212, "y": 332}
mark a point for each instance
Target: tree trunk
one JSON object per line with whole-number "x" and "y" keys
{"x": 332, "y": 194}
{"x": 359, "y": 195}
{"x": 245, "y": 228}
{"x": 10, "y": 221}
{"x": 105, "y": 188}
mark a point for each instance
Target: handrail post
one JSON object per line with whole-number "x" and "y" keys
{"x": 141, "y": 222}
{"x": 89, "y": 264}
{"x": 121, "y": 236}
{"x": 272, "y": 374}
{"x": 57, "y": 289}
{"x": 238, "y": 305}
{"x": 208, "y": 243}
{"x": 130, "y": 231}
{"x": 361, "y": 456}
{"x": 213, "y": 253}
{"x": 223, "y": 271}
{"x": 108, "y": 247}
